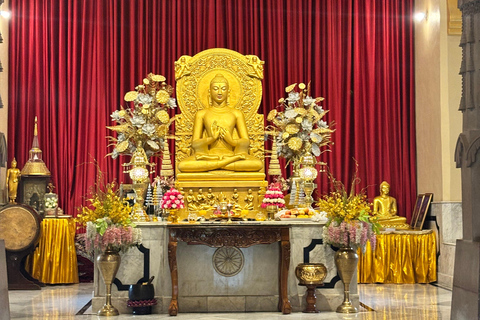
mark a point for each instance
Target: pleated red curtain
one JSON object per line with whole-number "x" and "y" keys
{"x": 71, "y": 62}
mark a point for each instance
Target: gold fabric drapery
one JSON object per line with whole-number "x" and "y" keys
{"x": 55, "y": 259}
{"x": 400, "y": 257}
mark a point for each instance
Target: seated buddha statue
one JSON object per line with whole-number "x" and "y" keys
{"x": 385, "y": 209}
{"x": 214, "y": 144}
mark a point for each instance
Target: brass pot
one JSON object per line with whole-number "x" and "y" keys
{"x": 271, "y": 211}
{"x": 346, "y": 260}
{"x": 108, "y": 263}
{"x": 310, "y": 273}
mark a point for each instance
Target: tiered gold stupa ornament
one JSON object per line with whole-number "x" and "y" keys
{"x": 34, "y": 176}
{"x": 274, "y": 165}
{"x": 35, "y": 165}
{"x": 219, "y": 134}
{"x": 167, "y": 168}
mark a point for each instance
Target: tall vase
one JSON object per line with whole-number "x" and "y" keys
{"x": 108, "y": 263}
{"x": 346, "y": 262}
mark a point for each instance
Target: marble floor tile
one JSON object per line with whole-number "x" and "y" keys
{"x": 380, "y": 301}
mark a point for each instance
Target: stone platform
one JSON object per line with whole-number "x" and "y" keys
{"x": 202, "y": 289}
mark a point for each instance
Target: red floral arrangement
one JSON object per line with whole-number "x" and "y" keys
{"x": 172, "y": 199}
{"x": 273, "y": 197}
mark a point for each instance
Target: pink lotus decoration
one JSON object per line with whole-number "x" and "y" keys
{"x": 172, "y": 199}
{"x": 273, "y": 197}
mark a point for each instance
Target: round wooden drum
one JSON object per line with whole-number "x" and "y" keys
{"x": 19, "y": 227}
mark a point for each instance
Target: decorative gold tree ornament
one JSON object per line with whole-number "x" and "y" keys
{"x": 142, "y": 128}
{"x": 300, "y": 126}
{"x": 145, "y": 120}
{"x": 302, "y": 133}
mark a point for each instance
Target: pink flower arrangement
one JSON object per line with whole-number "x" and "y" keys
{"x": 102, "y": 234}
{"x": 353, "y": 234}
{"x": 172, "y": 199}
{"x": 273, "y": 197}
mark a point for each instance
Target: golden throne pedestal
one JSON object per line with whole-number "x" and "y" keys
{"x": 229, "y": 167}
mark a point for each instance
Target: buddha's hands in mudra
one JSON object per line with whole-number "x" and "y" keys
{"x": 219, "y": 132}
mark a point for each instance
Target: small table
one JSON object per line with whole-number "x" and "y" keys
{"x": 221, "y": 235}
{"x": 401, "y": 256}
{"x": 55, "y": 259}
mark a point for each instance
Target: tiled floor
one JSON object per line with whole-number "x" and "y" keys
{"x": 388, "y": 302}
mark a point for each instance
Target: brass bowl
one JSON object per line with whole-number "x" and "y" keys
{"x": 311, "y": 273}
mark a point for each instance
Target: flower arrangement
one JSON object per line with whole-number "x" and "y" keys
{"x": 300, "y": 126}
{"x": 273, "y": 197}
{"x": 173, "y": 199}
{"x": 147, "y": 121}
{"x": 107, "y": 218}
{"x": 349, "y": 221}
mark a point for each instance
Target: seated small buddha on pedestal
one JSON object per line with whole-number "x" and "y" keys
{"x": 213, "y": 143}
{"x": 385, "y": 209}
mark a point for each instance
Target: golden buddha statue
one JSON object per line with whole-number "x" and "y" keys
{"x": 219, "y": 134}
{"x": 213, "y": 142}
{"x": 385, "y": 209}
{"x": 13, "y": 175}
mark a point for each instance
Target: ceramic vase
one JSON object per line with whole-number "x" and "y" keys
{"x": 346, "y": 260}
{"x": 108, "y": 263}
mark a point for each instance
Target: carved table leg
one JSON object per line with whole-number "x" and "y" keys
{"x": 284, "y": 306}
{"x": 172, "y": 261}
{"x": 311, "y": 299}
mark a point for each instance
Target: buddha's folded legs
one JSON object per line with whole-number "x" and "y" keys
{"x": 206, "y": 165}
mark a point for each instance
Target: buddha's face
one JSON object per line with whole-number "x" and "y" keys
{"x": 14, "y": 164}
{"x": 219, "y": 92}
{"x": 385, "y": 189}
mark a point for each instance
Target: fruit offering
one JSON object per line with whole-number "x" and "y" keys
{"x": 304, "y": 213}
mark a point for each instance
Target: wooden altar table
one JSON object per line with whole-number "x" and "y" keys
{"x": 234, "y": 235}
{"x": 400, "y": 257}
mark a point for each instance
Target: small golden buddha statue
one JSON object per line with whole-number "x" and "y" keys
{"x": 213, "y": 143}
{"x": 13, "y": 175}
{"x": 249, "y": 200}
{"x": 210, "y": 198}
{"x": 385, "y": 209}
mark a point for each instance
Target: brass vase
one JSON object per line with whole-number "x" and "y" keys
{"x": 346, "y": 260}
{"x": 271, "y": 211}
{"x": 108, "y": 263}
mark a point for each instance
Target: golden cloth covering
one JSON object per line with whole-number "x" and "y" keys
{"x": 55, "y": 259}
{"x": 400, "y": 257}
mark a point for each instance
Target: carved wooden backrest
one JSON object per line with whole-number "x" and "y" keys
{"x": 193, "y": 75}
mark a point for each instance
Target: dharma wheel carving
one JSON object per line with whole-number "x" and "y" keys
{"x": 228, "y": 261}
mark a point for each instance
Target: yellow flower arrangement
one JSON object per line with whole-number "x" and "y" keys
{"x": 105, "y": 203}
{"x": 349, "y": 216}
{"x": 107, "y": 219}
{"x": 344, "y": 208}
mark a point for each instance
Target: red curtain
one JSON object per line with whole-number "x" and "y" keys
{"x": 71, "y": 62}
